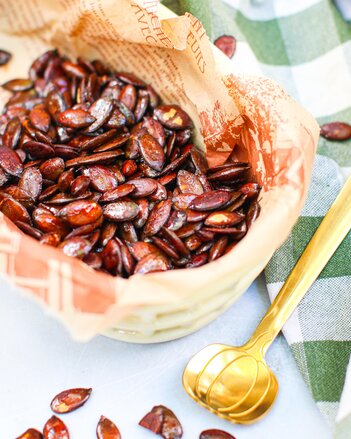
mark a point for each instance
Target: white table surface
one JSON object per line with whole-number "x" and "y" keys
{"x": 38, "y": 359}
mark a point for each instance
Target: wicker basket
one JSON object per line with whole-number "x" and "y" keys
{"x": 278, "y": 138}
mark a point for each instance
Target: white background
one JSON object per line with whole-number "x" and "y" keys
{"x": 38, "y": 359}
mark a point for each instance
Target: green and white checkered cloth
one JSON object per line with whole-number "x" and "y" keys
{"x": 305, "y": 45}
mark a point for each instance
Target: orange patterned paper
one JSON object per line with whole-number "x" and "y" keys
{"x": 251, "y": 117}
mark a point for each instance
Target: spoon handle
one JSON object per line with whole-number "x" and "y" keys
{"x": 320, "y": 249}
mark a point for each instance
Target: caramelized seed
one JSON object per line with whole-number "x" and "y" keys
{"x": 158, "y": 217}
{"x": 153, "y": 96}
{"x": 198, "y": 260}
{"x": 194, "y": 216}
{"x": 108, "y": 232}
{"x": 183, "y": 201}
{"x": 168, "y": 179}
{"x": 152, "y": 152}
{"x": 55, "y": 429}
{"x": 193, "y": 242}
{"x": 40, "y": 119}
{"x": 65, "y": 152}
{"x": 252, "y": 214}
{"x": 130, "y": 78}
{"x": 151, "y": 263}
{"x": 153, "y": 421}
{"x": 210, "y": 200}
{"x": 94, "y": 159}
{"x": 76, "y": 247}
{"x": 155, "y": 129}
{"x": 223, "y": 219}
{"x": 336, "y": 131}
{"x": 10, "y": 162}
{"x": 175, "y": 241}
{"x": 251, "y": 190}
{"x": 161, "y": 420}
{"x": 141, "y": 107}
{"x": 12, "y": 134}
{"x": 199, "y": 160}
{"x": 127, "y": 259}
{"x": 3, "y": 178}
{"x": 52, "y": 239}
{"x": 183, "y": 137}
{"x": 188, "y": 183}
{"x": 80, "y": 185}
{"x": 29, "y": 230}
{"x": 128, "y": 96}
{"x": 175, "y": 164}
{"x": 173, "y": 117}
{"x": 70, "y": 400}
{"x": 73, "y": 69}
{"x": 39, "y": 64}
{"x": 102, "y": 179}
{"x": 205, "y": 246}
{"x": 55, "y": 104}
{"x": 116, "y": 120}
{"x": 129, "y": 168}
{"x": 61, "y": 198}
{"x": 93, "y": 142}
{"x": 106, "y": 429}
{"x": 141, "y": 249}
{"x": 143, "y": 187}
{"x": 38, "y": 150}
{"x": 188, "y": 229}
{"x": 52, "y": 168}
{"x": 50, "y": 191}
{"x": 14, "y": 210}
{"x": 235, "y": 202}
{"x": 237, "y": 233}
{"x": 218, "y": 248}
{"x": 229, "y": 174}
{"x": 143, "y": 214}
{"x": 227, "y": 44}
{"x": 176, "y": 220}
{"x": 47, "y": 222}
{"x": 112, "y": 257}
{"x": 65, "y": 180}
{"x": 128, "y": 115}
{"x": 75, "y": 118}
{"x": 121, "y": 210}
{"x": 16, "y": 85}
{"x": 113, "y": 144}
{"x": 20, "y": 195}
{"x": 81, "y": 212}
{"x": 94, "y": 260}
{"x": 117, "y": 193}
{"x": 215, "y": 434}
{"x": 101, "y": 110}
{"x": 31, "y": 433}
{"x": 165, "y": 247}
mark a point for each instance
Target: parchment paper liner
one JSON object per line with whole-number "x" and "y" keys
{"x": 172, "y": 53}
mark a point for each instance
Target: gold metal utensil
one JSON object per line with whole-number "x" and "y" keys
{"x": 236, "y": 383}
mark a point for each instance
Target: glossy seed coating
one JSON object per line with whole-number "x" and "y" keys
{"x": 106, "y": 429}
{"x": 215, "y": 434}
{"x": 70, "y": 400}
{"x": 55, "y": 429}
{"x": 161, "y": 420}
{"x": 31, "y": 433}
